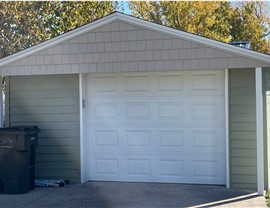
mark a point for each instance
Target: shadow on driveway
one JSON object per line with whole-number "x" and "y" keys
{"x": 133, "y": 195}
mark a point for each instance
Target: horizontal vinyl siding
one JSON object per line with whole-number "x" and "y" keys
{"x": 51, "y": 103}
{"x": 242, "y": 128}
{"x": 266, "y": 79}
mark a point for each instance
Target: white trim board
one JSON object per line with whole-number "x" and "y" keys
{"x": 259, "y": 131}
{"x": 83, "y": 164}
{"x": 141, "y": 23}
{"x": 227, "y": 128}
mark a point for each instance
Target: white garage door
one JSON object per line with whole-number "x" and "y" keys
{"x": 156, "y": 127}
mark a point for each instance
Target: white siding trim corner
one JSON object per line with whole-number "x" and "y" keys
{"x": 227, "y": 128}
{"x": 259, "y": 131}
{"x": 82, "y": 157}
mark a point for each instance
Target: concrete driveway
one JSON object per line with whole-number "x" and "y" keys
{"x": 131, "y": 195}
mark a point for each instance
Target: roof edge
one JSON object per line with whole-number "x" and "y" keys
{"x": 195, "y": 38}
{"x": 58, "y": 39}
{"x": 138, "y": 22}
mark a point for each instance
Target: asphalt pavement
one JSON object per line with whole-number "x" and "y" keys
{"x": 133, "y": 195}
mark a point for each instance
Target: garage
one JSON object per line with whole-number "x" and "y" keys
{"x": 155, "y": 127}
{"x": 123, "y": 99}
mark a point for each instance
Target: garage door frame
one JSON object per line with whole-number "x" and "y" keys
{"x": 83, "y": 142}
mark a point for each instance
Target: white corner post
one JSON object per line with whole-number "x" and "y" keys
{"x": 82, "y": 134}
{"x": 227, "y": 128}
{"x": 259, "y": 131}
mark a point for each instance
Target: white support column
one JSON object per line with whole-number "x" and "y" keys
{"x": 259, "y": 131}
{"x": 82, "y": 157}
{"x": 227, "y": 128}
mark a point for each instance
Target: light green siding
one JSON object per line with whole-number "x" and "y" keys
{"x": 266, "y": 96}
{"x": 242, "y": 115}
{"x": 51, "y": 103}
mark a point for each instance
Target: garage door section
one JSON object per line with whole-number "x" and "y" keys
{"x": 156, "y": 127}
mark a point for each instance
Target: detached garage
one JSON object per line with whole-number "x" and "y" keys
{"x": 123, "y": 99}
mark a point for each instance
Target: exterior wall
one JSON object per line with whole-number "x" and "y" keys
{"x": 242, "y": 115}
{"x": 266, "y": 97}
{"x": 122, "y": 47}
{"x": 51, "y": 103}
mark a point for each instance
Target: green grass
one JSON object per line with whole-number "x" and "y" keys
{"x": 267, "y": 196}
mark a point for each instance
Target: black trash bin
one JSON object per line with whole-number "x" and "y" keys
{"x": 17, "y": 159}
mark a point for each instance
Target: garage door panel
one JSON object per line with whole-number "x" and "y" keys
{"x": 208, "y": 170}
{"x": 157, "y": 169}
{"x": 170, "y": 83}
{"x": 171, "y": 139}
{"x": 104, "y": 84}
{"x": 186, "y": 83}
{"x": 211, "y": 110}
{"x": 106, "y": 138}
{"x": 207, "y": 140}
{"x": 171, "y": 110}
{"x": 172, "y": 168}
{"x": 137, "y": 111}
{"x": 138, "y": 138}
{"x": 204, "y": 82}
{"x": 104, "y": 110}
{"x": 199, "y": 140}
{"x": 204, "y": 168}
{"x": 156, "y": 127}
{"x": 207, "y": 81}
{"x": 138, "y": 167}
{"x": 137, "y": 83}
{"x": 107, "y": 166}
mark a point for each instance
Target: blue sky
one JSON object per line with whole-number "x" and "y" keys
{"x": 126, "y": 8}
{"x": 127, "y": 11}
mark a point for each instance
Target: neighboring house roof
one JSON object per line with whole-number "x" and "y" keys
{"x": 139, "y": 22}
{"x": 242, "y": 44}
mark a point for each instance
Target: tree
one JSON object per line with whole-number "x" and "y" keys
{"x": 219, "y": 20}
{"x": 210, "y": 19}
{"x": 251, "y": 22}
{"x": 24, "y": 24}
{"x": 148, "y": 10}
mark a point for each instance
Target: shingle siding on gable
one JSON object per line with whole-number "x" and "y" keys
{"x": 122, "y": 47}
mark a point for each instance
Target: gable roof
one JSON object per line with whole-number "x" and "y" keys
{"x": 141, "y": 23}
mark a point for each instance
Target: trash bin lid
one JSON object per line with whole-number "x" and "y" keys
{"x": 19, "y": 130}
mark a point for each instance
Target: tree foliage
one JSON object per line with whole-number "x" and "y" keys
{"x": 251, "y": 22}
{"x": 24, "y": 23}
{"x": 219, "y": 20}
